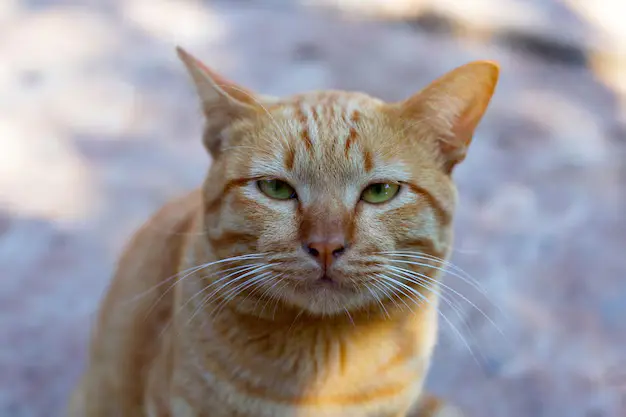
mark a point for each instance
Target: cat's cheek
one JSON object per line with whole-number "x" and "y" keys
{"x": 276, "y": 226}
{"x": 371, "y": 233}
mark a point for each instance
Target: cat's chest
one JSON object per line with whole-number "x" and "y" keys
{"x": 315, "y": 372}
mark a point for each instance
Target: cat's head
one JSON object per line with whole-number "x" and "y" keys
{"x": 346, "y": 199}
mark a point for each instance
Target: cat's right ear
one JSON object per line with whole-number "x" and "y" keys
{"x": 222, "y": 101}
{"x": 453, "y": 105}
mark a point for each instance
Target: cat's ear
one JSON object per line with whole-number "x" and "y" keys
{"x": 222, "y": 100}
{"x": 453, "y": 105}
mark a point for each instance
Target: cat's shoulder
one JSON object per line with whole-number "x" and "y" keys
{"x": 179, "y": 209}
{"x": 165, "y": 231}
{"x": 174, "y": 217}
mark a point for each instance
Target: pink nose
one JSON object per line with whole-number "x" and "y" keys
{"x": 326, "y": 252}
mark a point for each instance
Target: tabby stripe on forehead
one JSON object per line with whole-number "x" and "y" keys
{"x": 303, "y": 121}
{"x": 350, "y": 140}
{"x": 326, "y": 106}
{"x": 368, "y": 161}
{"x": 290, "y": 156}
{"x": 352, "y": 136}
{"x": 315, "y": 115}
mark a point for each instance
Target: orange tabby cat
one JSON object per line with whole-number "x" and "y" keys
{"x": 301, "y": 279}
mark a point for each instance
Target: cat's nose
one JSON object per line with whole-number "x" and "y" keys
{"x": 325, "y": 252}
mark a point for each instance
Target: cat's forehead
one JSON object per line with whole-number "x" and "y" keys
{"x": 324, "y": 121}
{"x": 327, "y": 110}
{"x": 321, "y": 137}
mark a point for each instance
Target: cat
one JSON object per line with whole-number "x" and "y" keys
{"x": 301, "y": 278}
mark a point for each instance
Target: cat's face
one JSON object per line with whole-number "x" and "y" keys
{"x": 336, "y": 188}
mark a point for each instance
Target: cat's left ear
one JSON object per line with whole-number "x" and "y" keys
{"x": 453, "y": 105}
{"x": 223, "y": 101}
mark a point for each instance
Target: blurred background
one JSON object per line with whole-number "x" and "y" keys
{"x": 99, "y": 126}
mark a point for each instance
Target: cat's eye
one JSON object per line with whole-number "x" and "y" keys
{"x": 380, "y": 193}
{"x": 277, "y": 189}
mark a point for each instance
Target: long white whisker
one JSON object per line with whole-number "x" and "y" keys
{"x": 383, "y": 280}
{"x": 265, "y": 293}
{"x": 260, "y": 287}
{"x": 293, "y": 323}
{"x": 206, "y": 299}
{"x": 467, "y": 278}
{"x": 454, "y": 328}
{"x": 462, "y": 275}
{"x": 238, "y": 270}
{"x": 234, "y": 292}
{"x": 433, "y": 290}
{"x": 389, "y": 292}
{"x": 277, "y": 300}
{"x": 349, "y": 316}
{"x": 274, "y": 297}
{"x": 380, "y": 303}
{"x": 192, "y": 271}
{"x": 417, "y": 274}
{"x": 457, "y": 310}
{"x": 449, "y": 302}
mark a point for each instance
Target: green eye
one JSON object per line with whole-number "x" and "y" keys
{"x": 380, "y": 193}
{"x": 277, "y": 189}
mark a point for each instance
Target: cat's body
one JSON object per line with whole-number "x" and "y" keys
{"x": 291, "y": 314}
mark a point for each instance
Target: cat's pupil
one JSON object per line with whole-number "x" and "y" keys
{"x": 379, "y": 188}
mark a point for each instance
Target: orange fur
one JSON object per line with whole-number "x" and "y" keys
{"x": 280, "y": 333}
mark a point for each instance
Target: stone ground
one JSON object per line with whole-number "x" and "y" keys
{"x": 99, "y": 126}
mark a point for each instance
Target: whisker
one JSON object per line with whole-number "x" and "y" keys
{"x": 265, "y": 293}
{"x": 457, "y": 310}
{"x": 454, "y": 328}
{"x": 383, "y": 280}
{"x": 274, "y": 297}
{"x": 389, "y": 292}
{"x": 380, "y": 303}
{"x": 449, "y": 302}
{"x": 277, "y": 301}
{"x": 417, "y": 274}
{"x": 238, "y": 269}
{"x": 260, "y": 287}
{"x": 191, "y": 270}
{"x": 467, "y": 278}
{"x": 349, "y": 316}
{"x": 294, "y": 321}
{"x": 207, "y": 298}
{"x": 464, "y": 276}
{"x": 188, "y": 272}
{"x": 231, "y": 294}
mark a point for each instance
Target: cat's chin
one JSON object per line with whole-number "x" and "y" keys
{"x": 324, "y": 298}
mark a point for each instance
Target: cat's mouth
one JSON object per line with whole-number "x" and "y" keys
{"x": 325, "y": 293}
{"x": 327, "y": 280}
